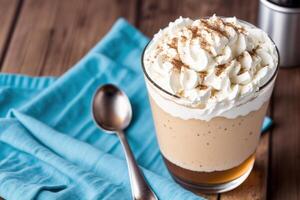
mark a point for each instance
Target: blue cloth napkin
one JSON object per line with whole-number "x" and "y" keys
{"x": 49, "y": 145}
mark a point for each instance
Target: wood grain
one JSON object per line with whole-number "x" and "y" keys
{"x": 8, "y": 10}
{"x": 284, "y": 182}
{"x": 157, "y": 14}
{"x": 51, "y": 36}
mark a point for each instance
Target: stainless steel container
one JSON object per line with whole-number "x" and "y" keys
{"x": 281, "y": 20}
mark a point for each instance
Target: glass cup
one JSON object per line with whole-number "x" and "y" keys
{"x": 207, "y": 156}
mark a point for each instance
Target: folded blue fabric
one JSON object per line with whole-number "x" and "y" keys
{"x": 49, "y": 145}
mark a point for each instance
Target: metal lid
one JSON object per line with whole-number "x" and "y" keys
{"x": 287, "y": 3}
{"x": 283, "y": 9}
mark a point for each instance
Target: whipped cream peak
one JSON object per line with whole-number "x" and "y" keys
{"x": 211, "y": 61}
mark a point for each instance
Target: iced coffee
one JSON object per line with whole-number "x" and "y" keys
{"x": 209, "y": 81}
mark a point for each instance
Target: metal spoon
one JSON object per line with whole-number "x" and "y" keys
{"x": 112, "y": 112}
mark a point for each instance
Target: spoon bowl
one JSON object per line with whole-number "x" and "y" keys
{"x": 111, "y": 108}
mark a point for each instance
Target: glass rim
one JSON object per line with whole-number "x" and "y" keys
{"x": 178, "y": 97}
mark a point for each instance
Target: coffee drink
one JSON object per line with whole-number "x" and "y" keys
{"x": 209, "y": 82}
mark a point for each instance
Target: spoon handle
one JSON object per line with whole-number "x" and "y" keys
{"x": 139, "y": 187}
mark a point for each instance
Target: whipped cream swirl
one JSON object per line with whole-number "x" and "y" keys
{"x": 211, "y": 61}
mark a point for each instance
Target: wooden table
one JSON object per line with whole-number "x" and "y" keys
{"x": 46, "y": 37}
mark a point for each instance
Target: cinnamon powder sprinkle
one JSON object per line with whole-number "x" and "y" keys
{"x": 173, "y": 43}
{"x": 194, "y": 31}
{"x": 242, "y": 70}
{"x": 178, "y": 64}
{"x": 159, "y": 48}
{"x": 236, "y": 28}
{"x": 213, "y": 28}
{"x": 183, "y": 39}
{"x": 202, "y": 87}
{"x": 174, "y": 40}
{"x": 240, "y": 57}
{"x": 253, "y": 51}
{"x": 214, "y": 92}
{"x": 229, "y": 24}
{"x": 202, "y": 74}
{"x": 220, "y": 69}
{"x": 204, "y": 44}
{"x": 172, "y": 46}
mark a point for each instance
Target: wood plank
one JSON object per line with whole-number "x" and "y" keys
{"x": 65, "y": 31}
{"x": 157, "y": 14}
{"x": 8, "y": 10}
{"x": 285, "y": 141}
